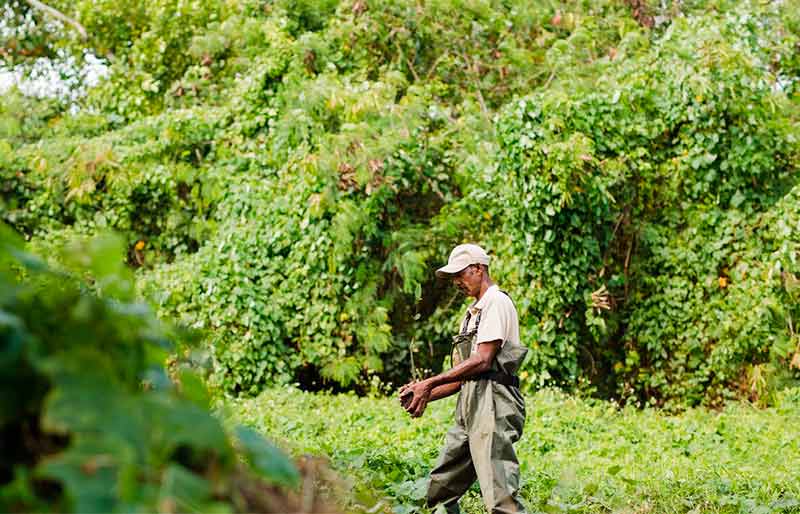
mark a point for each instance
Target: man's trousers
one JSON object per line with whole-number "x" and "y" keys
{"x": 489, "y": 420}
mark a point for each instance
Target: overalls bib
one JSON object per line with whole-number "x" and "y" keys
{"x": 489, "y": 419}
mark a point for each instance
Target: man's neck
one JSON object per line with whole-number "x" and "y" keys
{"x": 485, "y": 285}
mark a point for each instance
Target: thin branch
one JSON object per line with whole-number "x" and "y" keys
{"x": 411, "y": 355}
{"x": 55, "y": 13}
{"x": 401, "y": 54}
{"x": 434, "y": 65}
{"x": 472, "y": 67}
{"x": 549, "y": 79}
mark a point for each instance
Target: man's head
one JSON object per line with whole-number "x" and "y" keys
{"x": 470, "y": 279}
{"x": 468, "y": 268}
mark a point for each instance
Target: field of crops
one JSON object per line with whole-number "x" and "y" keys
{"x": 576, "y": 455}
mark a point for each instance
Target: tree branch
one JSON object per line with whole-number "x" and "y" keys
{"x": 472, "y": 67}
{"x": 55, "y": 13}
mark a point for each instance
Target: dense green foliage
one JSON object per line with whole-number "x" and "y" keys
{"x": 575, "y": 456}
{"x": 670, "y": 188}
{"x": 287, "y": 174}
{"x": 89, "y": 420}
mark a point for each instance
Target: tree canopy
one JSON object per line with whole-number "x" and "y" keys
{"x": 286, "y": 175}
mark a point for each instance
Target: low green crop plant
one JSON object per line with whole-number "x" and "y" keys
{"x": 577, "y": 455}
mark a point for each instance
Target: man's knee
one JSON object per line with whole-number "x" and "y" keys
{"x": 437, "y": 492}
{"x": 440, "y": 494}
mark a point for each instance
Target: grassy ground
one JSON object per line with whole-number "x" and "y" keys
{"x": 576, "y": 455}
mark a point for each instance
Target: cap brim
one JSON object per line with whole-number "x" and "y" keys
{"x": 449, "y": 270}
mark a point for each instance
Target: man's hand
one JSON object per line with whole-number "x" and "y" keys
{"x": 414, "y": 397}
{"x": 406, "y": 395}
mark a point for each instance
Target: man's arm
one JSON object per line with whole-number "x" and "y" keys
{"x": 477, "y": 363}
{"x": 450, "y": 381}
{"x": 443, "y": 391}
{"x": 437, "y": 393}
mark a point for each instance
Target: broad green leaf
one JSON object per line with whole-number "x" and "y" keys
{"x": 183, "y": 491}
{"x": 88, "y": 471}
{"x": 266, "y": 459}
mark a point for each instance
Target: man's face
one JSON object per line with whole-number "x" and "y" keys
{"x": 468, "y": 280}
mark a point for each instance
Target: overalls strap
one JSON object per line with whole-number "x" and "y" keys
{"x": 467, "y": 320}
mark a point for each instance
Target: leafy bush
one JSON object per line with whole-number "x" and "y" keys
{"x": 89, "y": 420}
{"x": 649, "y": 220}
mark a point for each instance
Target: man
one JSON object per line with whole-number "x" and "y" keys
{"x": 490, "y": 411}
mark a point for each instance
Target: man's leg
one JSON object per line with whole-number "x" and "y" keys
{"x": 453, "y": 473}
{"x": 496, "y": 464}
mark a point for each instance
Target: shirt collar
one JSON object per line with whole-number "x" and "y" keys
{"x": 479, "y": 305}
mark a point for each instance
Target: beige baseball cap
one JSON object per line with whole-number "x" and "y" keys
{"x": 461, "y": 257}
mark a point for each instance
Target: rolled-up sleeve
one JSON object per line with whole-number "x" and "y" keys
{"x": 495, "y": 320}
